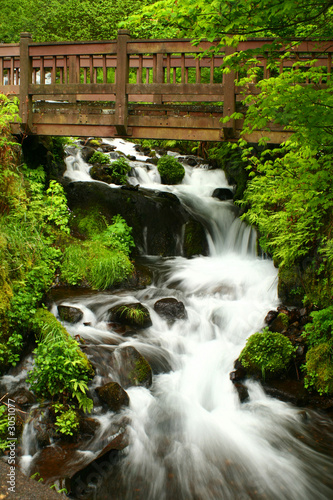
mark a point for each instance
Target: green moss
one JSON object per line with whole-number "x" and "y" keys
{"x": 290, "y": 286}
{"x": 171, "y": 171}
{"x": 267, "y": 353}
{"x": 195, "y": 242}
{"x": 319, "y": 368}
{"x": 141, "y": 372}
{"x": 45, "y": 323}
{"x": 284, "y": 319}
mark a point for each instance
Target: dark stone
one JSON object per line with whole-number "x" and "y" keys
{"x": 243, "y": 392}
{"x": 270, "y": 316}
{"x": 195, "y": 240}
{"x": 131, "y": 367}
{"x": 170, "y": 309}
{"x": 22, "y": 397}
{"x": 161, "y": 215}
{"x": 131, "y": 157}
{"x": 113, "y": 395}
{"x": 135, "y": 315}
{"x": 154, "y": 161}
{"x": 70, "y": 314}
{"x": 192, "y": 161}
{"x": 86, "y": 153}
{"x": 280, "y": 323}
{"x": 107, "y": 148}
{"x": 104, "y": 173}
{"x": 88, "y": 426}
{"x": 239, "y": 372}
{"x": 223, "y": 194}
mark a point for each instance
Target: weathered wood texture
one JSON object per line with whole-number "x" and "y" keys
{"x": 56, "y": 81}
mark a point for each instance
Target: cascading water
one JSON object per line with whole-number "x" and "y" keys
{"x": 189, "y": 435}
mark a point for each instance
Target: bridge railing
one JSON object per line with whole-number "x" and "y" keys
{"x": 127, "y": 70}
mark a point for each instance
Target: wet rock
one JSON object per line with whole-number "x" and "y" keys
{"x": 113, "y": 395}
{"x": 22, "y": 397}
{"x": 239, "y": 372}
{"x": 192, "y": 161}
{"x": 104, "y": 173}
{"x": 195, "y": 240}
{"x": 157, "y": 219}
{"x": 131, "y": 157}
{"x": 170, "y": 309}
{"x": 223, "y": 194}
{"x": 270, "y": 316}
{"x": 243, "y": 392}
{"x": 131, "y": 367}
{"x": 86, "y": 153}
{"x": 88, "y": 426}
{"x": 135, "y": 315}
{"x": 70, "y": 314}
{"x": 280, "y": 323}
{"x": 107, "y": 148}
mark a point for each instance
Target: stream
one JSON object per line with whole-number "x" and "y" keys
{"x": 190, "y": 437}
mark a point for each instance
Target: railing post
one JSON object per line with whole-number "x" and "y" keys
{"x": 121, "y": 106}
{"x": 229, "y": 102}
{"x": 158, "y": 76}
{"x": 73, "y": 74}
{"x": 25, "y": 81}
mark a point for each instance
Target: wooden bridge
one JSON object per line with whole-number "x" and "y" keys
{"x": 156, "y": 89}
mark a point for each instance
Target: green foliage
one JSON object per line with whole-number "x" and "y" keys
{"x": 99, "y": 157}
{"x": 3, "y": 428}
{"x": 320, "y": 329}
{"x": 171, "y": 171}
{"x": 56, "y": 20}
{"x": 120, "y": 169}
{"x": 132, "y": 314}
{"x": 61, "y": 371}
{"x": 67, "y": 421}
{"x": 267, "y": 352}
{"x": 117, "y": 236}
{"x": 95, "y": 264}
{"x": 319, "y": 368}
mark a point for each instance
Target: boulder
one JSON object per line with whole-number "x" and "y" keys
{"x": 223, "y": 194}
{"x": 135, "y": 315}
{"x": 86, "y": 153}
{"x": 170, "y": 309}
{"x": 131, "y": 367}
{"x": 107, "y": 148}
{"x": 113, "y": 395}
{"x": 157, "y": 218}
{"x": 270, "y": 316}
{"x": 70, "y": 314}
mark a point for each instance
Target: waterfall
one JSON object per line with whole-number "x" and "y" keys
{"x": 190, "y": 438}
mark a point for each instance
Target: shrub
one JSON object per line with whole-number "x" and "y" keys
{"x": 267, "y": 352}
{"x": 117, "y": 236}
{"x": 171, "y": 171}
{"x": 67, "y": 421}
{"x": 61, "y": 370}
{"x": 100, "y": 158}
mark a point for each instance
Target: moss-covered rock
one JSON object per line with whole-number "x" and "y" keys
{"x": 157, "y": 218}
{"x": 267, "y": 353}
{"x": 135, "y": 315}
{"x": 195, "y": 240}
{"x": 113, "y": 395}
{"x": 70, "y": 314}
{"x": 280, "y": 323}
{"x": 290, "y": 286}
{"x": 131, "y": 367}
{"x": 171, "y": 171}
{"x": 319, "y": 368}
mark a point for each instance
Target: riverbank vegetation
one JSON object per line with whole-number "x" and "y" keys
{"x": 36, "y": 247}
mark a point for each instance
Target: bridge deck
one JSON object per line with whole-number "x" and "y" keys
{"x": 136, "y": 88}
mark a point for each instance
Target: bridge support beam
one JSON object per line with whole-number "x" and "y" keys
{"x": 121, "y": 107}
{"x": 229, "y": 102}
{"x": 25, "y": 81}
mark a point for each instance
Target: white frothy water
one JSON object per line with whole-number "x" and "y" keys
{"x": 190, "y": 437}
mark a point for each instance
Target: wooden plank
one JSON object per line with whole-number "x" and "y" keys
{"x": 1, "y": 71}
{"x": 139, "y": 71}
{"x": 105, "y": 79}
{"x": 75, "y": 130}
{"x": 73, "y": 49}
{"x": 72, "y": 88}
{"x": 174, "y": 88}
{"x": 182, "y": 66}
